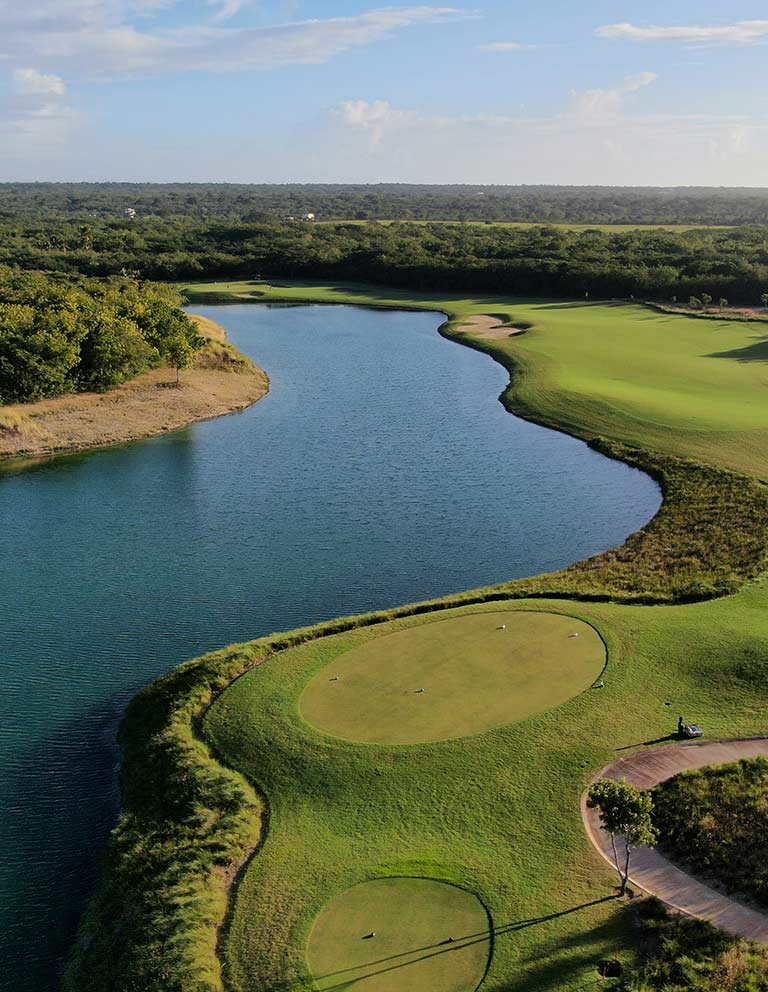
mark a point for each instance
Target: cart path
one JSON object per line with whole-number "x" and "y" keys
{"x": 650, "y": 870}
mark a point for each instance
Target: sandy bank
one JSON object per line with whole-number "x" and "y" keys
{"x": 221, "y": 380}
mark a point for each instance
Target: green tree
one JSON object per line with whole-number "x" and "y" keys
{"x": 112, "y": 351}
{"x": 38, "y": 353}
{"x": 625, "y": 811}
{"x": 180, "y": 350}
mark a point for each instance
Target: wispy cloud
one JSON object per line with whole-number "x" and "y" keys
{"x": 595, "y": 123}
{"x": 375, "y": 117}
{"x": 740, "y": 33}
{"x": 602, "y": 102}
{"x": 97, "y": 37}
{"x": 510, "y": 46}
{"x": 37, "y": 105}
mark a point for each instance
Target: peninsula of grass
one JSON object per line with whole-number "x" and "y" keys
{"x": 715, "y": 820}
{"x": 220, "y": 380}
{"x": 244, "y": 826}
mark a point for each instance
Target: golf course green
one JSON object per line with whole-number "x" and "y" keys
{"x": 454, "y": 678}
{"x": 395, "y": 933}
{"x": 298, "y": 795}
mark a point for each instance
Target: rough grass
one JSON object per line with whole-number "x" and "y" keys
{"x": 686, "y": 955}
{"x": 716, "y": 821}
{"x": 498, "y": 812}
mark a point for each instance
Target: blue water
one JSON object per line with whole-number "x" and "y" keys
{"x": 380, "y": 469}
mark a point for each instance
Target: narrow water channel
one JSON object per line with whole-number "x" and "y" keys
{"x": 380, "y": 469}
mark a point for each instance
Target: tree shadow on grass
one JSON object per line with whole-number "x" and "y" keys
{"x": 450, "y": 945}
{"x": 757, "y": 352}
{"x": 548, "y": 970}
{"x": 580, "y": 304}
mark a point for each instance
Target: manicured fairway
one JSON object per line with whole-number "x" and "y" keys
{"x": 659, "y": 381}
{"x": 428, "y": 935}
{"x": 454, "y": 677}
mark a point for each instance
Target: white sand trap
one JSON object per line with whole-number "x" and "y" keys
{"x": 483, "y": 326}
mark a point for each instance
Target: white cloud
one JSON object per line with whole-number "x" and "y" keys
{"x": 501, "y": 46}
{"x": 509, "y": 46}
{"x": 37, "y": 106}
{"x": 601, "y": 102}
{"x": 228, "y": 8}
{"x": 96, "y": 37}
{"x": 597, "y": 139}
{"x": 38, "y": 86}
{"x": 740, "y": 33}
{"x": 375, "y": 117}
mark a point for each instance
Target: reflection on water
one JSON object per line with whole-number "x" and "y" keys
{"x": 380, "y": 469}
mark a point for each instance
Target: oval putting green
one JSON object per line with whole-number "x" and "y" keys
{"x": 450, "y": 678}
{"x": 393, "y": 934}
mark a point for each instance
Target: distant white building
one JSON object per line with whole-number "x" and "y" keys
{"x": 130, "y": 213}
{"x": 307, "y": 216}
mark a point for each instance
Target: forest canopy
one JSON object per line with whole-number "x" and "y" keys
{"x": 66, "y": 334}
{"x": 542, "y": 261}
{"x": 389, "y": 201}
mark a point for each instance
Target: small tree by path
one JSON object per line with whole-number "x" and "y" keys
{"x": 625, "y": 810}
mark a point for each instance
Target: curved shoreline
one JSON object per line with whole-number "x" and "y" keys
{"x": 220, "y": 381}
{"x": 651, "y": 870}
{"x": 182, "y": 698}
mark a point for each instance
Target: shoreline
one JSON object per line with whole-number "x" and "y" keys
{"x": 178, "y": 702}
{"x": 220, "y": 381}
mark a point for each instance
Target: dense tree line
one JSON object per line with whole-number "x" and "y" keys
{"x": 68, "y": 334}
{"x": 542, "y": 261}
{"x": 389, "y": 201}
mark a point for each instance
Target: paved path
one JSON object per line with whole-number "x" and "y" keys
{"x": 649, "y": 869}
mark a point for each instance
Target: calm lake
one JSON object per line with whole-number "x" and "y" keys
{"x": 380, "y": 469}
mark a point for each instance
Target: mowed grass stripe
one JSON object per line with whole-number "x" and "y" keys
{"x": 453, "y": 678}
{"x": 391, "y": 934}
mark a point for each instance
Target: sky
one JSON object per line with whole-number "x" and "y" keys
{"x": 602, "y": 92}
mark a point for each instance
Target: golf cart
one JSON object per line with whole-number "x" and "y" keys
{"x": 688, "y": 730}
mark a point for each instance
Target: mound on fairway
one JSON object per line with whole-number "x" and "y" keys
{"x": 401, "y": 933}
{"x": 451, "y": 678}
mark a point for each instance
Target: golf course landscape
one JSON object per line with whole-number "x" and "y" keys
{"x": 392, "y": 802}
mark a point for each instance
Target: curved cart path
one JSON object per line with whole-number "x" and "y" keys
{"x": 650, "y": 870}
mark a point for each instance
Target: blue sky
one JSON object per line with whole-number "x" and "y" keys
{"x": 351, "y": 91}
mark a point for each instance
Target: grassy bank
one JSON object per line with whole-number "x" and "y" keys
{"x": 498, "y": 812}
{"x": 221, "y": 380}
